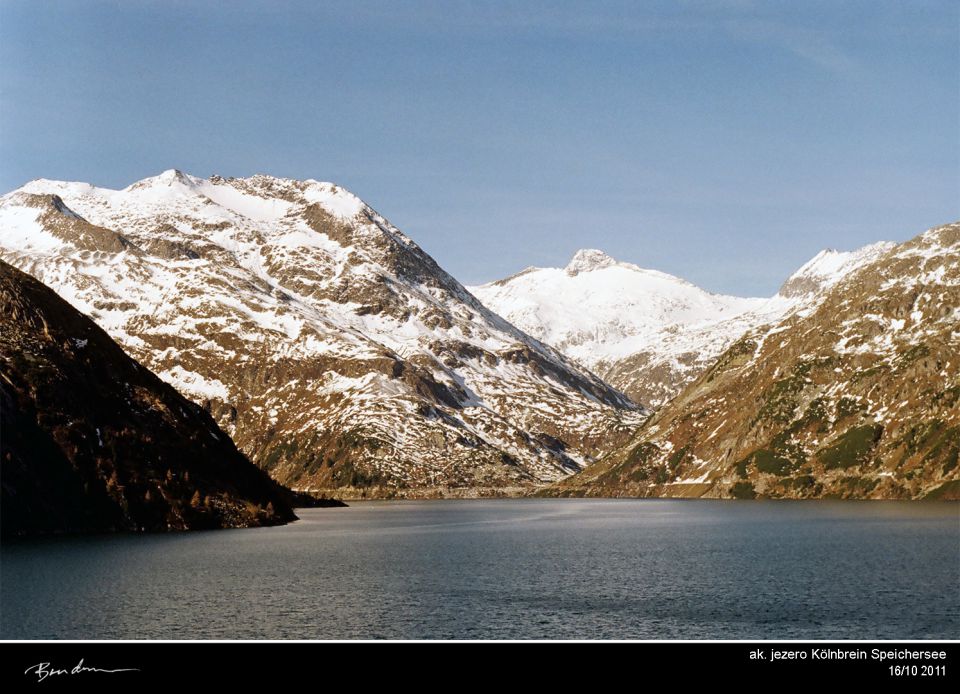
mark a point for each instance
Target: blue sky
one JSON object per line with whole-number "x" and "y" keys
{"x": 726, "y": 142}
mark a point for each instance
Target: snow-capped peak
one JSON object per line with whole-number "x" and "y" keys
{"x": 598, "y": 310}
{"x": 168, "y": 179}
{"x": 293, "y": 308}
{"x": 828, "y": 267}
{"x": 334, "y": 198}
{"x": 171, "y": 175}
{"x": 645, "y": 331}
{"x": 587, "y": 260}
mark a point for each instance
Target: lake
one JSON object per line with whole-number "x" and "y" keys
{"x": 508, "y": 569}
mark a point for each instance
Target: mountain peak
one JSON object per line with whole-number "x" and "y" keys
{"x": 167, "y": 179}
{"x": 828, "y": 267}
{"x": 845, "y": 354}
{"x": 587, "y": 260}
{"x": 171, "y": 175}
{"x": 342, "y": 322}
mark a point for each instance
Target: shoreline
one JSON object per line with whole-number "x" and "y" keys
{"x": 349, "y": 494}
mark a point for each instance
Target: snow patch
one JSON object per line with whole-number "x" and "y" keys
{"x": 334, "y": 199}
{"x": 194, "y": 384}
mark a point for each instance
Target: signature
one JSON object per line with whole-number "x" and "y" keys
{"x": 44, "y": 670}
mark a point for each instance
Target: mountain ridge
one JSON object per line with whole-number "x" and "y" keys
{"x": 857, "y": 396}
{"x": 647, "y": 332}
{"x": 339, "y": 355}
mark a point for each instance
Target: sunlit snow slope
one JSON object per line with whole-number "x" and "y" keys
{"x": 647, "y": 332}
{"x": 332, "y": 348}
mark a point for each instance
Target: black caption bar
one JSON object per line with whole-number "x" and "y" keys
{"x": 39, "y": 666}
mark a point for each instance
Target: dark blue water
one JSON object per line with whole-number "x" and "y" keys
{"x": 561, "y": 569}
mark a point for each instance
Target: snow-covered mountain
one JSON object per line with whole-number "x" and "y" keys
{"x": 855, "y": 396}
{"x": 643, "y": 331}
{"x": 327, "y": 343}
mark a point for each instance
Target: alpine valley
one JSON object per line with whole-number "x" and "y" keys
{"x": 344, "y": 361}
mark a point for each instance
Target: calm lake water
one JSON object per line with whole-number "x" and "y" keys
{"x": 564, "y": 569}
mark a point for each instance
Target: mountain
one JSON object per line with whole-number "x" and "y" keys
{"x": 335, "y": 351}
{"x": 647, "y": 332}
{"x": 92, "y": 441}
{"x": 857, "y": 397}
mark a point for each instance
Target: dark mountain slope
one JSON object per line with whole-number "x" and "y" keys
{"x": 92, "y": 441}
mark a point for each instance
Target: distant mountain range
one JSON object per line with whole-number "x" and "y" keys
{"x": 92, "y": 441}
{"x": 857, "y": 396}
{"x": 647, "y": 332}
{"x": 343, "y": 360}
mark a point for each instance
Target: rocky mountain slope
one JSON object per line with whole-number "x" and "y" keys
{"x": 92, "y": 441}
{"x": 858, "y": 397}
{"x": 328, "y": 344}
{"x": 647, "y": 332}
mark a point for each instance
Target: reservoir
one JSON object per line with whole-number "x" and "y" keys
{"x": 507, "y": 569}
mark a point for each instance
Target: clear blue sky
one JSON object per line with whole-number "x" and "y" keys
{"x": 726, "y": 142}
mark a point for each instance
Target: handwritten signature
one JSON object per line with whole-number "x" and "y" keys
{"x": 44, "y": 670}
